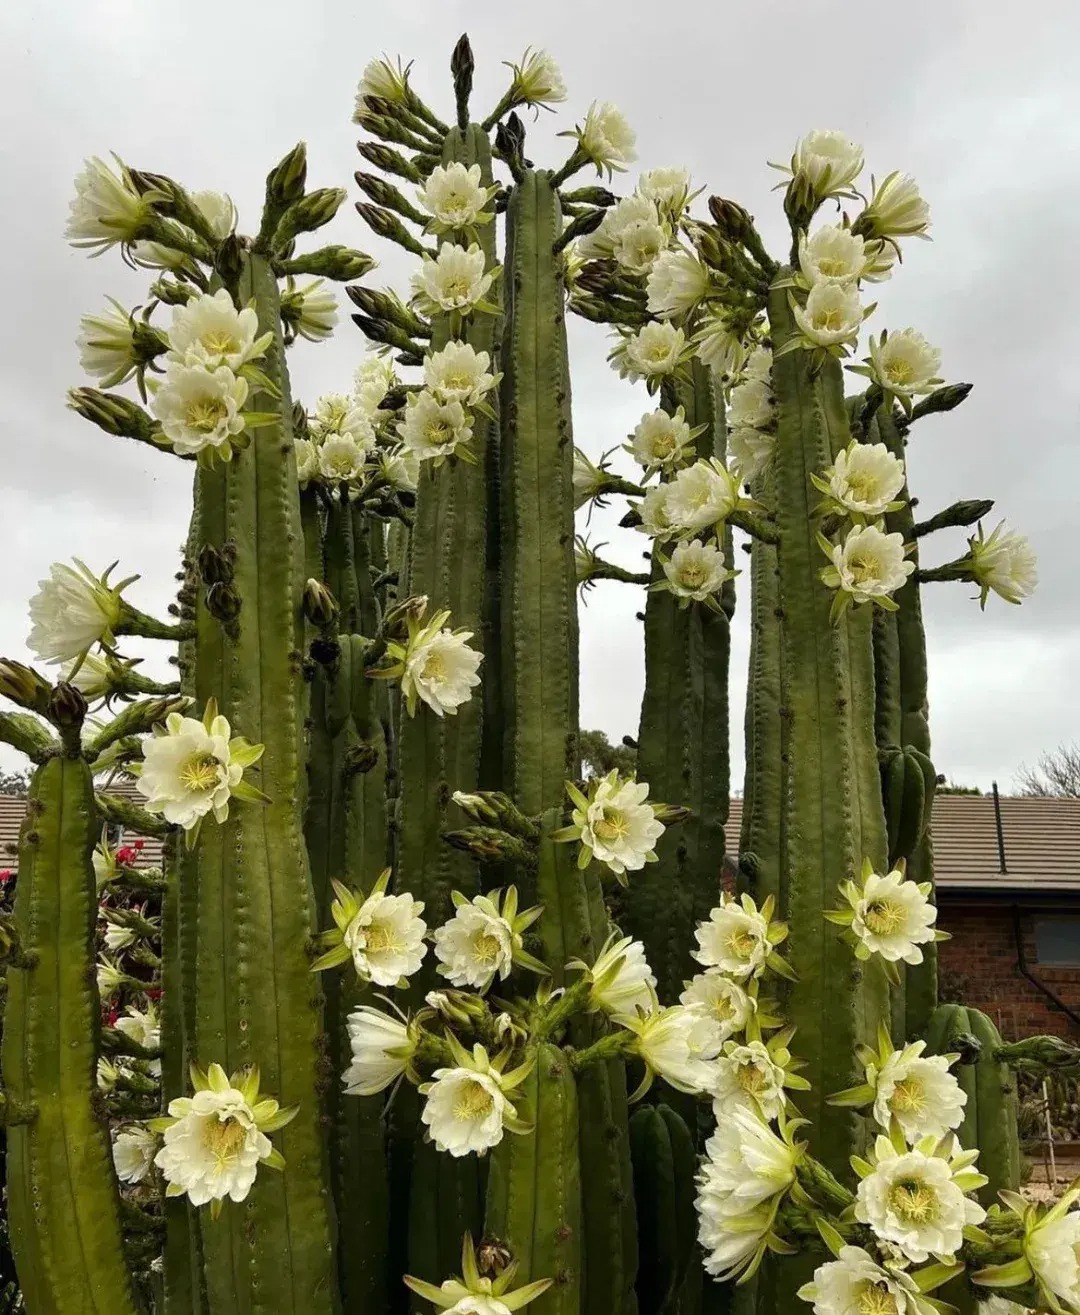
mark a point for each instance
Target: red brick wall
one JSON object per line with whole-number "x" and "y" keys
{"x": 979, "y": 967}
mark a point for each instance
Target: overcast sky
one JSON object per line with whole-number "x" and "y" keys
{"x": 980, "y": 101}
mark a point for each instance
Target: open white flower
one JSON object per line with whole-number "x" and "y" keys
{"x": 341, "y": 459}
{"x": 468, "y": 1106}
{"x": 624, "y": 215}
{"x": 72, "y": 610}
{"x": 341, "y": 413}
{"x": 537, "y": 80}
{"x": 106, "y": 208}
{"x": 746, "y": 1169}
{"x": 619, "y": 827}
{"x": 916, "y": 1198}
{"x": 727, "y": 1005}
{"x": 476, "y": 945}
{"x": 622, "y": 981}
{"x": 440, "y": 668}
{"x": 192, "y": 768}
{"x": 638, "y": 246}
{"x": 133, "y": 1151}
{"x": 215, "y": 1140}
{"x": 751, "y": 404}
{"x": 1052, "y": 1249}
{"x": 118, "y": 937}
{"x": 307, "y": 461}
{"x": 655, "y": 515}
{"x": 759, "y": 365}
{"x": 896, "y": 209}
{"x": 855, "y": 1284}
{"x": 749, "y": 452}
{"x": 717, "y": 346}
{"x": 735, "y": 939}
{"x": 373, "y": 379}
{"x": 383, "y": 80}
{"x": 141, "y": 1026}
{"x": 654, "y": 352}
{"x": 156, "y": 255}
{"x": 434, "y": 430}
{"x": 678, "y": 280}
{"x": 701, "y": 495}
{"x": 110, "y": 977}
{"x": 673, "y": 1043}
{"x": 661, "y": 441}
{"x": 382, "y": 1047}
{"x": 1005, "y": 562}
{"x": 606, "y": 138}
{"x": 868, "y": 566}
{"x": 311, "y": 310}
{"x": 881, "y": 258}
{"x": 832, "y": 315}
{"x": 828, "y": 162}
{"x": 668, "y": 187}
{"x": 904, "y": 363}
{"x": 209, "y": 331}
{"x": 218, "y": 209}
{"x": 454, "y": 195}
{"x": 695, "y": 571}
{"x": 454, "y": 281}
{"x": 459, "y": 373}
{"x": 107, "y": 346}
{"x": 893, "y": 917}
{"x": 747, "y": 1077}
{"x": 386, "y": 938}
{"x": 834, "y": 254}
{"x": 918, "y": 1091}
{"x": 400, "y": 467}
{"x": 200, "y": 408}
{"x": 864, "y": 479}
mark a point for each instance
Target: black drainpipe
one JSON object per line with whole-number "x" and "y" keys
{"x": 1002, "y": 868}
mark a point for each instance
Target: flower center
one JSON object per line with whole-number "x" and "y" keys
{"x": 908, "y": 1096}
{"x": 914, "y": 1202}
{"x": 875, "y": 1299}
{"x": 899, "y": 371}
{"x": 752, "y": 1079}
{"x": 219, "y": 342}
{"x": 612, "y": 826}
{"x": 693, "y": 575}
{"x": 831, "y": 319}
{"x": 474, "y": 1101}
{"x": 459, "y": 382}
{"x": 742, "y": 944}
{"x": 224, "y": 1139}
{"x": 341, "y": 464}
{"x": 862, "y": 486}
{"x": 456, "y": 288}
{"x": 439, "y": 433}
{"x": 487, "y": 948}
{"x": 434, "y": 668}
{"x": 723, "y": 1008}
{"x": 832, "y": 267}
{"x": 381, "y": 938}
{"x": 206, "y": 413}
{"x": 883, "y": 917}
{"x": 200, "y": 773}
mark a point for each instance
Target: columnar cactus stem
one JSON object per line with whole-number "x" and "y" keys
{"x": 256, "y": 1000}
{"x": 683, "y": 743}
{"x": 62, "y": 1200}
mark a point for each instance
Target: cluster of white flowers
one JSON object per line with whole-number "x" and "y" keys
{"x": 691, "y": 507}
{"x": 751, "y": 418}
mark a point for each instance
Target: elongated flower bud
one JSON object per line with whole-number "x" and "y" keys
{"x": 308, "y": 214}
{"x": 113, "y": 413}
{"x": 389, "y": 161}
{"x": 342, "y": 264}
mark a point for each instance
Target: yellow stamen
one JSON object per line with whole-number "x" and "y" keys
{"x": 876, "y": 1300}
{"x": 884, "y": 917}
{"x": 908, "y": 1096}
{"x": 612, "y": 826}
{"x": 913, "y": 1201}
{"x": 206, "y": 414}
{"x": 224, "y": 1138}
{"x": 474, "y": 1101}
{"x": 487, "y": 948}
{"x": 200, "y": 773}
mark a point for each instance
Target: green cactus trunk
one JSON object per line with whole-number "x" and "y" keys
{"x": 683, "y": 743}
{"x": 256, "y": 1000}
{"x": 62, "y": 1197}
{"x": 665, "y": 1165}
{"x": 345, "y": 830}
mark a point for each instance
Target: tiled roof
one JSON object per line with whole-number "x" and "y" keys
{"x": 1041, "y": 840}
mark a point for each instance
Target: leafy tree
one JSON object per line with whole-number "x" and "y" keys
{"x": 1056, "y": 773}
{"x": 599, "y": 756}
{"x": 951, "y": 787}
{"x": 14, "y": 782}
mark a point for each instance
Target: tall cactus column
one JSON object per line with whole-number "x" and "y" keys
{"x": 256, "y": 1000}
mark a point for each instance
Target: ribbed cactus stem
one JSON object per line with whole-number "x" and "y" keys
{"x": 683, "y": 742}
{"x": 62, "y": 1199}
{"x": 833, "y": 816}
{"x": 256, "y": 1000}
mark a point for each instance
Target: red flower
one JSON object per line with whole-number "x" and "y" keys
{"x": 127, "y": 856}
{"x": 6, "y": 876}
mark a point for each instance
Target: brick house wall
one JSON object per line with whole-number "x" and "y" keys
{"x": 980, "y": 967}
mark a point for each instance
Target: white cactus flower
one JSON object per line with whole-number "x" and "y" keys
{"x": 73, "y": 610}
{"x": 537, "y": 80}
{"x": 893, "y": 917}
{"x": 702, "y": 495}
{"x": 668, "y": 187}
{"x": 373, "y": 379}
{"x": 832, "y": 315}
{"x": 622, "y": 981}
{"x": 383, "y": 80}
{"x": 869, "y": 565}
{"x": 661, "y": 441}
{"x": 218, "y": 209}
{"x": 727, "y": 1005}
{"x": 156, "y": 255}
{"x": 639, "y": 246}
{"x": 386, "y": 938}
{"x": 106, "y": 208}
{"x": 209, "y": 331}
{"x": 672, "y": 1043}
{"x": 475, "y": 946}
{"x": 110, "y": 977}
{"x": 459, "y": 373}
{"x": 200, "y": 408}
{"x": 759, "y": 365}
{"x": 881, "y": 259}
{"x": 434, "y": 430}
{"x": 751, "y": 404}
{"x": 896, "y": 210}
{"x": 918, "y": 1091}
{"x": 141, "y": 1026}
{"x": 1005, "y": 562}
{"x": 828, "y": 162}
{"x": 382, "y": 1047}
{"x": 118, "y": 937}
{"x": 606, "y": 138}
{"x": 865, "y": 479}
{"x": 341, "y": 413}
{"x": 454, "y": 281}
{"x": 400, "y": 467}
{"x": 313, "y": 310}
{"x": 467, "y": 1108}
{"x": 735, "y": 939}
{"x": 678, "y": 281}
{"x": 454, "y": 195}
{"x": 133, "y": 1152}
{"x": 107, "y": 346}
{"x": 718, "y": 347}
{"x": 341, "y": 458}
{"x": 904, "y": 363}
{"x": 747, "y": 1077}
{"x": 440, "y": 670}
{"x": 620, "y": 828}
{"x": 624, "y": 215}
{"x": 913, "y": 1199}
{"x": 307, "y": 461}
{"x": 1052, "y": 1249}
{"x": 749, "y": 452}
{"x": 855, "y": 1284}
{"x": 695, "y": 571}
{"x": 192, "y": 768}
{"x": 654, "y": 352}
{"x": 654, "y": 513}
{"x": 834, "y": 254}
